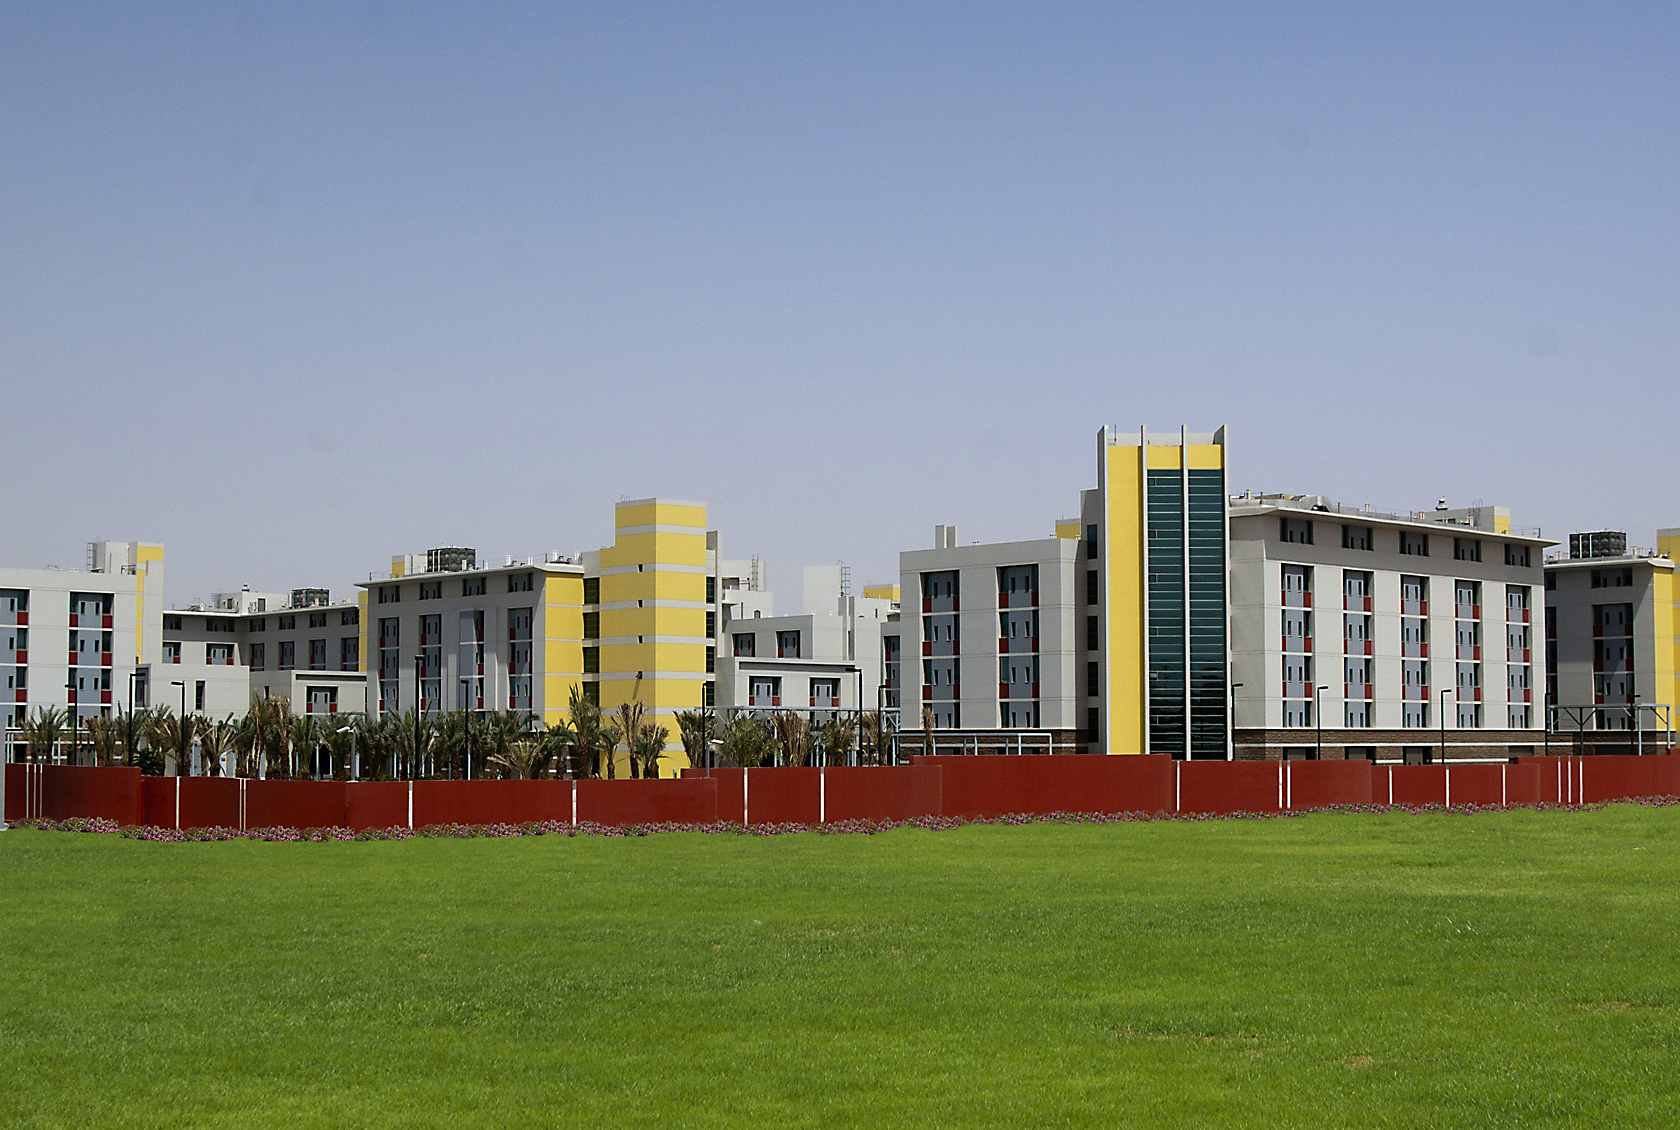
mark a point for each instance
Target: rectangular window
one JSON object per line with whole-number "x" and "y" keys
{"x": 350, "y": 617}
{"x": 317, "y": 619}
{"x": 746, "y": 644}
{"x": 787, "y": 645}
{"x": 1297, "y": 585}
{"x": 431, "y": 590}
{"x": 940, "y": 587}
{"x": 288, "y": 655}
{"x": 1612, "y": 578}
{"x": 258, "y": 654}
{"x": 1093, "y": 686}
{"x": 198, "y": 696}
{"x": 1357, "y": 537}
{"x": 711, "y": 590}
{"x": 1093, "y": 634}
{"x": 711, "y": 660}
{"x": 1467, "y": 549}
{"x": 173, "y": 623}
{"x": 288, "y": 623}
{"x": 1091, "y": 543}
{"x": 317, "y": 655}
{"x": 591, "y": 625}
{"x": 711, "y": 625}
{"x": 390, "y": 594}
{"x": 1091, "y": 586}
{"x": 172, "y": 651}
{"x": 591, "y": 661}
{"x": 349, "y": 653}
{"x": 1298, "y": 531}
{"x": 521, "y": 582}
{"x": 1414, "y": 544}
{"x": 259, "y": 624}
{"x": 592, "y": 590}
{"x": 1516, "y": 555}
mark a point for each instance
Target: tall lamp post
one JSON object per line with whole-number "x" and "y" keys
{"x": 128, "y": 738}
{"x": 419, "y": 708}
{"x": 181, "y": 754}
{"x": 355, "y": 765}
{"x": 1318, "y": 721}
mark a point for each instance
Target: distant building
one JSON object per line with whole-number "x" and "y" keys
{"x": 1611, "y": 640}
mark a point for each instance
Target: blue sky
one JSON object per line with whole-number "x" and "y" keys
{"x": 295, "y": 288}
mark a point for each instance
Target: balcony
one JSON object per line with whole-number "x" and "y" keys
{"x": 1468, "y": 611}
{"x": 768, "y": 701}
{"x": 1017, "y": 690}
{"x": 1292, "y": 599}
{"x": 1298, "y": 644}
{"x": 1020, "y": 645}
{"x": 1359, "y": 647}
{"x": 1359, "y": 692}
{"x": 1414, "y": 608}
{"x": 1018, "y": 599}
{"x": 1518, "y": 655}
{"x": 1517, "y": 616}
{"x": 821, "y": 702}
{"x": 1356, "y": 603}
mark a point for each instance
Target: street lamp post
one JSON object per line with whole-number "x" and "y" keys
{"x": 181, "y": 754}
{"x": 1318, "y": 721}
{"x": 355, "y": 763}
{"x": 419, "y": 708}
{"x": 1638, "y": 729}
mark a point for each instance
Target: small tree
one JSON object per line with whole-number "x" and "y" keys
{"x": 43, "y": 731}
{"x": 589, "y": 729}
{"x": 838, "y": 735}
{"x": 744, "y": 741}
{"x": 629, "y": 728}
{"x": 647, "y": 748}
{"x": 696, "y": 728}
{"x": 869, "y": 738}
{"x": 793, "y": 737}
{"x": 214, "y": 740}
{"x": 105, "y": 735}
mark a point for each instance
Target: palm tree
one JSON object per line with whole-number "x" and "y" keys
{"x": 503, "y": 731}
{"x": 838, "y": 737}
{"x": 556, "y": 743}
{"x": 629, "y": 727}
{"x": 163, "y": 733}
{"x": 869, "y": 738}
{"x": 744, "y": 741}
{"x": 927, "y": 729}
{"x": 696, "y": 728}
{"x": 214, "y": 739}
{"x": 591, "y": 731}
{"x": 105, "y": 735}
{"x": 793, "y": 736}
{"x": 43, "y": 731}
{"x": 648, "y": 747}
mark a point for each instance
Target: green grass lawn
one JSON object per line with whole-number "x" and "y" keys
{"x": 1510, "y": 969}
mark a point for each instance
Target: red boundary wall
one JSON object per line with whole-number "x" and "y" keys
{"x": 944, "y": 785}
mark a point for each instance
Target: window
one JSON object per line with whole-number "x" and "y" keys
{"x": 1516, "y": 555}
{"x": 198, "y": 696}
{"x": 1092, "y": 679}
{"x": 1091, "y": 586}
{"x": 765, "y": 690}
{"x": 592, "y": 590}
{"x": 1093, "y": 634}
{"x": 288, "y": 655}
{"x": 350, "y": 617}
{"x": 1357, "y": 537}
{"x": 591, "y": 661}
{"x": 172, "y": 651}
{"x": 288, "y": 623}
{"x": 1091, "y": 542}
{"x": 390, "y": 594}
{"x": 1467, "y": 549}
{"x": 746, "y": 644}
{"x": 260, "y": 624}
{"x": 1612, "y": 578}
{"x": 711, "y": 590}
{"x": 940, "y": 586}
{"x": 173, "y": 623}
{"x": 711, "y": 660}
{"x": 1297, "y": 583}
{"x": 349, "y": 653}
{"x": 940, "y": 629}
{"x": 521, "y": 582}
{"x": 787, "y": 645}
{"x": 473, "y": 586}
{"x": 431, "y": 590}
{"x": 218, "y": 654}
{"x": 1551, "y": 582}
{"x": 1414, "y": 544}
{"x": 317, "y": 655}
{"x": 1467, "y": 600}
{"x": 317, "y": 619}
{"x": 1017, "y": 579}
{"x": 258, "y": 654}
{"x": 591, "y": 625}
{"x": 711, "y": 625}
{"x": 825, "y": 692}
{"x": 1296, "y": 530}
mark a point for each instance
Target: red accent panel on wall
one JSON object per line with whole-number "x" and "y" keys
{"x": 1419, "y": 784}
{"x": 1613, "y": 777}
{"x": 729, "y": 784}
{"x": 16, "y": 774}
{"x": 295, "y": 804}
{"x": 882, "y": 793}
{"x": 1228, "y": 786}
{"x": 491, "y": 802}
{"x": 1314, "y": 784}
{"x": 1476, "y": 784}
{"x": 782, "y": 796}
{"x": 692, "y": 800}
{"x": 1528, "y": 783}
{"x": 376, "y": 804}
{"x": 157, "y": 802}
{"x": 209, "y": 802}
{"x": 994, "y": 784}
{"x": 78, "y": 790}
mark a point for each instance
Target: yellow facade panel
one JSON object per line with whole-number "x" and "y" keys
{"x": 1207, "y": 456}
{"x": 659, "y": 514}
{"x": 1162, "y": 457}
{"x": 1122, "y": 555}
{"x": 880, "y": 592}
{"x": 667, "y": 549}
{"x": 653, "y": 584}
{"x": 1068, "y": 528}
{"x": 619, "y": 658}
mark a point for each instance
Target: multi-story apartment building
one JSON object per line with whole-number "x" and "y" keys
{"x": 988, "y": 641}
{"x": 80, "y": 641}
{"x": 1155, "y": 578}
{"x": 827, "y": 658}
{"x": 1610, "y": 643}
{"x": 1353, "y": 631}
